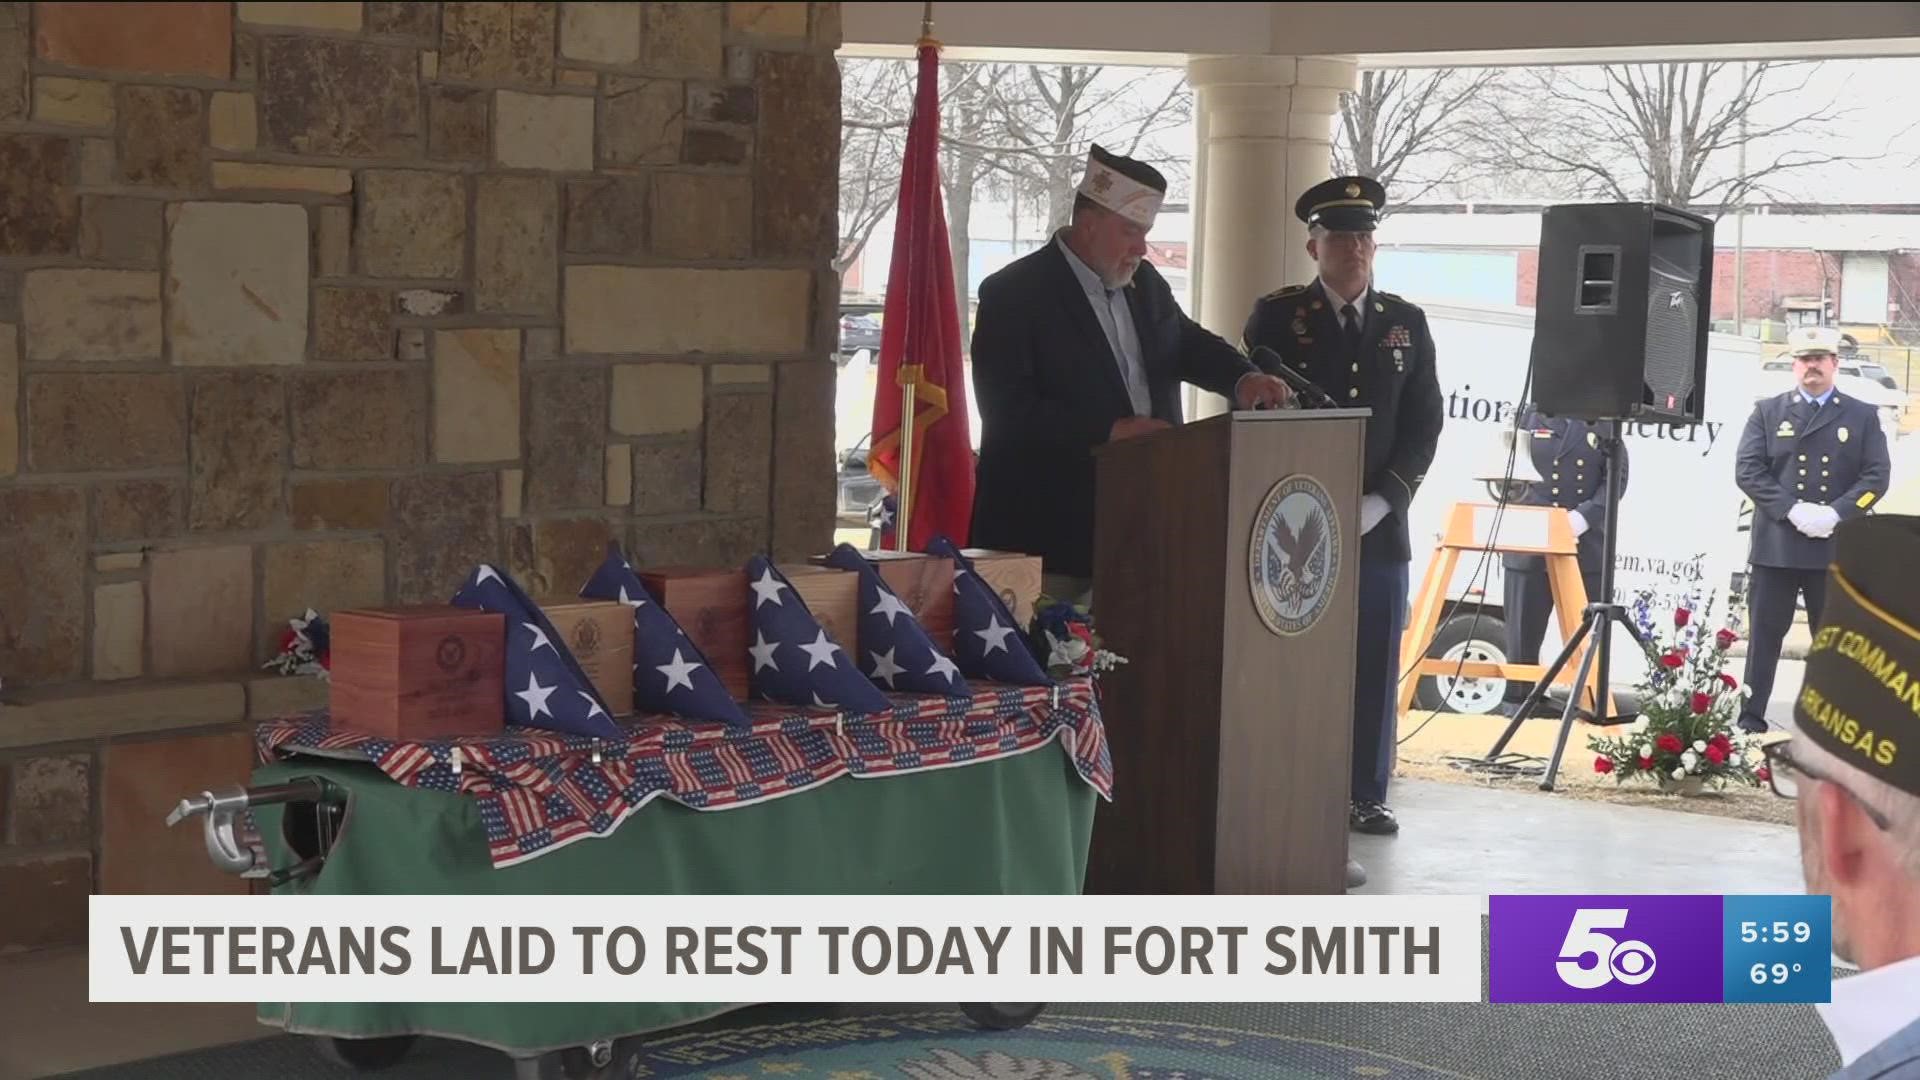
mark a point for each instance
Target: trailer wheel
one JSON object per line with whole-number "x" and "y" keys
{"x": 365, "y": 1055}
{"x": 1002, "y": 1017}
{"x": 1475, "y": 638}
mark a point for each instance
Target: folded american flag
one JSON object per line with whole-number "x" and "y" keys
{"x": 545, "y": 686}
{"x": 794, "y": 661}
{"x": 895, "y": 650}
{"x": 671, "y": 675}
{"x": 987, "y": 639}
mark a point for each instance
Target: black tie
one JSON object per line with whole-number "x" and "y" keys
{"x": 1350, "y": 328}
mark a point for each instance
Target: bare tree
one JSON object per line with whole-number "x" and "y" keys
{"x": 1671, "y": 133}
{"x": 1411, "y": 129}
{"x": 878, "y": 101}
{"x": 1061, "y": 109}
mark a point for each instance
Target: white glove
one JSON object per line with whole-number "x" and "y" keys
{"x": 1372, "y": 509}
{"x": 1579, "y": 523}
{"x": 1821, "y": 520}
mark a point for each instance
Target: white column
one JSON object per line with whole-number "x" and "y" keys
{"x": 1263, "y": 131}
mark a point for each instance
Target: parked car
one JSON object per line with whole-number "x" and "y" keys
{"x": 859, "y": 330}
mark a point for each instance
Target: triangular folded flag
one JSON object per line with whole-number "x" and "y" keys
{"x": 986, "y": 637}
{"x": 895, "y": 649}
{"x": 794, "y": 661}
{"x": 545, "y": 686}
{"x": 670, "y": 673}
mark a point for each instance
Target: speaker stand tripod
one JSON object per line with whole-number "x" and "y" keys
{"x": 1596, "y": 623}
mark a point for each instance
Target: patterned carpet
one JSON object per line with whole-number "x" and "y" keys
{"x": 1144, "y": 1042}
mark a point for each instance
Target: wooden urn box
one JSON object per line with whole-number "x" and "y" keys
{"x": 1014, "y": 576}
{"x": 922, "y": 582}
{"x": 711, "y": 606}
{"x": 599, "y": 634}
{"x": 833, "y": 595}
{"x": 415, "y": 673}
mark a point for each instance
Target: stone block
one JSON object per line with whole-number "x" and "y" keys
{"x": 278, "y": 696}
{"x": 667, "y": 310}
{"x": 511, "y": 482}
{"x": 148, "y": 38}
{"x": 739, "y": 431}
{"x": 47, "y": 897}
{"x": 234, "y": 121}
{"x": 720, "y": 103}
{"x": 119, "y": 630}
{"x": 359, "y": 503}
{"x": 717, "y": 146}
{"x": 702, "y": 541}
{"x": 566, "y": 437}
{"x": 163, "y": 137}
{"x": 14, "y": 51}
{"x": 77, "y": 102}
{"x": 325, "y": 575}
{"x": 129, "y": 510}
{"x": 516, "y": 244}
{"x": 804, "y": 496}
{"x": 476, "y": 395}
{"x": 237, "y": 283}
{"x": 62, "y": 714}
{"x": 543, "y": 131}
{"x": 246, "y": 58}
{"x": 429, "y": 65}
{"x": 97, "y": 162}
{"x": 742, "y": 374}
{"x": 322, "y": 16}
{"x": 700, "y": 216}
{"x": 666, "y": 477}
{"x": 431, "y": 303}
{"x": 248, "y": 176}
{"x": 332, "y": 97}
{"x": 620, "y": 475}
{"x": 585, "y": 80}
{"x": 600, "y": 33}
{"x": 443, "y": 524}
{"x": 92, "y": 316}
{"x": 412, "y": 224}
{"x": 352, "y": 324}
{"x": 67, "y": 412}
{"x": 556, "y": 557}
{"x": 200, "y": 610}
{"x": 783, "y": 19}
{"x": 541, "y": 346}
{"x": 335, "y": 243}
{"x": 39, "y": 213}
{"x": 457, "y": 123}
{"x": 120, "y": 229}
{"x": 643, "y": 121}
{"x": 239, "y": 452}
{"x": 9, "y": 399}
{"x": 124, "y": 562}
{"x": 53, "y": 800}
{"x": 359, "y": 420}
{"x": 139, "y": 782}
{"x": 740, "y": 63}
{"x": 407, "y": 19}
{"x": 42, "y": 584}
{"x": 826, "y": 32}
{"x": 607, "y": 215}
{"x": 503, "y": 43}
{"x": 411, "y": 342}
{"x": 797, "y": 173}
{"x": 657, "y": 399}
{"x": 683, "y": 39}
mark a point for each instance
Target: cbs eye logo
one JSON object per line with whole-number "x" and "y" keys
{"x": 1630, "y": 962}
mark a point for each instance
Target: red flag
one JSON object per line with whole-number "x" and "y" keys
{"x": 920, "y": 342}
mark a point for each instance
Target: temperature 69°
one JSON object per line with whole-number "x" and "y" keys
{"x": 1776, "y": 974}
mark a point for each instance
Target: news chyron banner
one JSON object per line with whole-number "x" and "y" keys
{"x": 884, "y": 949}
{"x": 1670, "y": 949}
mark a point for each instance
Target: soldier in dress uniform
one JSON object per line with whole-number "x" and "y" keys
{"x": 1809, "y": 459}
{"x": 1572, "y": 462}
{"x": 1367, "y": 349}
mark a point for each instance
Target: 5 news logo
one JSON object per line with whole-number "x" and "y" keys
{"x": 1660, "y": 949}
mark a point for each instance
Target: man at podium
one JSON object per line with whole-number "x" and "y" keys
{"x": 1366, "y": 349}
{"x": 1074, "y": 345}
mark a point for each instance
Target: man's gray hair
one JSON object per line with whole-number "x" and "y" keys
{"x": 1901, "y": 809}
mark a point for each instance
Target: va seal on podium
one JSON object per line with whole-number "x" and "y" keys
{"x": 1294, "y": 559}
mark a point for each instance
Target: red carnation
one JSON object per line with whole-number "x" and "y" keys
{"x": 1715, "y": 753}
{"x": 1670, "y": 743}
{"x": 1763, "y": 774}
{"x": 1646, "y": 763}
{"x": 1701, "y": 703}
{"x": 1721, "y": 741}
{"x": 1729, "y": 681}
{"x": 1672, "y": 660}
{"x": 1603, "y": 765}
{"x": 287, "y": 638}
{"x": 1726, "y": 638}
{"x": 1681, "y": 616}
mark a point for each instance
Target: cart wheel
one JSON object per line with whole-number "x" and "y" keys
{"x": 1002, "y": 1017}
{"x": 365, "y": 1055}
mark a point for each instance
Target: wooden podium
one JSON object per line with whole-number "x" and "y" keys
{"x": 1231, "y": 723}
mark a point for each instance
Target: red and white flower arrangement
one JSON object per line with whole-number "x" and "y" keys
{"x": 1063, "y": 640}
{"x": 1686, "y": 735}
{"x": 305, "y": 647}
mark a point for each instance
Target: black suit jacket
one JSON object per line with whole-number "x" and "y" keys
{"x": 1049, "y": 389}
{"x": 1790, "y": 453}
{"x": 1572, "y": 464}
{"x": 1394, "y": 374}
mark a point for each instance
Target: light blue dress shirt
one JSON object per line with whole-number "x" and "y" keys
{"x": 1116, "y": 321}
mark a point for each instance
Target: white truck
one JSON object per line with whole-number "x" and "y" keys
{"x": 1683, "y": 521}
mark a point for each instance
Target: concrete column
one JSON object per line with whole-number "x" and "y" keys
{"x": 1263, "y": 132}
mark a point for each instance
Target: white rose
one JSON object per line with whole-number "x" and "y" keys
{"x": 1734, "y": 758}
{"x": 1640, "y": 723}
{"x": 1646, "y": 749}
{"x": 1690, "y": 760}
{"x": 1679, "y": 774}
{"x": 1700, "y": 746}
{"x": 1746, "y": 691}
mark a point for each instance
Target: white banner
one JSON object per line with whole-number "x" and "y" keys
{"x": 887, "y": 949}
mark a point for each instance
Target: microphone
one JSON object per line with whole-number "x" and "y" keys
{"x": 1268, "y": 360}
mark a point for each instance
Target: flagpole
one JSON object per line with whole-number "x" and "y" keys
{"x": 909, "y": 383}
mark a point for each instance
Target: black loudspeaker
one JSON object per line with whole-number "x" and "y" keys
{"x": 1624, "y": 305}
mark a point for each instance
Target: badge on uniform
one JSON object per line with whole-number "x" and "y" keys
{"x": 1299, "y": 327}
{"x": 1785, "y": 429}
{"x": 1593, "y": 440}
{"x": 1543, "y": 433}
{"x": 1843, "y": 434}
{"x": 1398, "y": 337}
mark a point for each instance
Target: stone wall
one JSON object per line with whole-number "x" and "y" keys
{"x": 319, "y": 304}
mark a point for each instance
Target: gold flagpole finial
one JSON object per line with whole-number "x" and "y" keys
{"x": 926, "y": 25}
